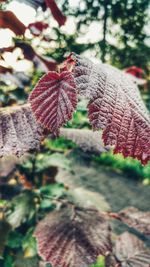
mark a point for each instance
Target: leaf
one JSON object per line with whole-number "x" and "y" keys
{"x": 131, "y": 252}
{"x": 115, "y": 106}
{"x": 37, "y": 27}
{"x": 29, "y": 244}
{"x": 44, "y": 161}
{"x": 73, "y": 237}
{"x": 38, "y": 60}
{"x": 19, "y": 132}
{"x": 53, "y": 100}
{"x": 14, "y": 239}
{"x": 137, "y": 219}
{"x": 10, "y": 21}
{"x": 56, "y": 12}
{"x": 53, "y": 190}
{"x": 85, "y": 139}
{"x": 21, "y": 209}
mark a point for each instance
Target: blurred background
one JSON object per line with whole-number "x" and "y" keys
{"x": 35, "y": 36}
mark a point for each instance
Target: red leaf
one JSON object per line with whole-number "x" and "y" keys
{"x": 135, "y": 71}
{"x": 56, "y": 12}
{"x": 73, "y": 237}
{"x": 54, "y": 99}
{"x": 36, "y": 28}
{"x": 116, "y": 107}
{"x": 10, "y": 21}
{"x": 30, "y": 54}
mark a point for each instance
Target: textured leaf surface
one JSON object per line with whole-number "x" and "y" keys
{"x": 19, "y": 131}
{"x": 10, "y": 21}
{"x": 137, "y": 219}
{"x": 73, "y": 237}
{"x": 87, "y": 140}
{"x": 116, "y": 107}
{"x": 54, "y": 99}
{"x": 131, "y": 252}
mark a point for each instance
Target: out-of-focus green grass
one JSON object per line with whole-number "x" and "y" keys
{"x": 131, "y": 167}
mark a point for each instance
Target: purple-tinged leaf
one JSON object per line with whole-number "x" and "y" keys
{"x": 131, "y": 252}
{"x": 73, "y": 237}
{"x": 19, "y": 131}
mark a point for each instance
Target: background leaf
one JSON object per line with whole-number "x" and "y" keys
{"x": 130, "y": 251}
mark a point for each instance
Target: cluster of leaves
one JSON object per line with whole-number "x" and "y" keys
{"x": 79, "y": 242}
{"x": 74, "y": 233}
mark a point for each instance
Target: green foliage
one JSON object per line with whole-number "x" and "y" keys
{"x": 21, "y": 209}
{"x": 100, "y": 262}
{"x": 131, "y": 167}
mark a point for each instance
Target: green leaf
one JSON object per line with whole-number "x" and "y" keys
{"x": 14, "y": 240}
{"x": 29, "y": 244}
{"x": 21, "y": 209}
{"x": 8, "y": 261}
{"x": 53, "y": 190}
{"x": 45, "y": 161}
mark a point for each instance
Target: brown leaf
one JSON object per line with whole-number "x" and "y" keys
{"x": 131, "y": 252}
{"x": 73, "y": 237}
{"x": 137, "y": 219}
{"x": 18, "y": 131}
{"x": 10, "y": 21}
